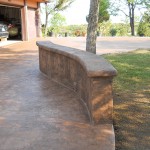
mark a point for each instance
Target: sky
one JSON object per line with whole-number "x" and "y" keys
{"x": 79, "y": 9}
{"x": 77, "y": 12}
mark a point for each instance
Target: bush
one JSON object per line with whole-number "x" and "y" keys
{"x": 77, "y": 30}
{"x": 122, "y": 29}
{"x": 144, "y": 29}
{"x": 113, "y": 32}
{"x": 144, "y": 26}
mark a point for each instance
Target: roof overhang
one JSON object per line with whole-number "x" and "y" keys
{"x": 40, "y": 1}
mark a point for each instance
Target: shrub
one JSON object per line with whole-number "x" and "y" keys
{"x": 144, "y": 26}
{"x": 144, "y": 29}
{"x": 113, "y": 32}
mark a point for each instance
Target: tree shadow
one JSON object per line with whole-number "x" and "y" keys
{"x": 132, "y": 100}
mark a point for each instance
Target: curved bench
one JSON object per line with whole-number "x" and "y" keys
{"x": 87, "y": 74}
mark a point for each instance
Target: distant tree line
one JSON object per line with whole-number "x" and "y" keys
{"x": 104, "y": 27}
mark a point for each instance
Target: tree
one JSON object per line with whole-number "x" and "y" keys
{"x": 104, "y": 28}
{"x": 55, "y": 6}
{"x": 144, "y": 26}
{"x": 103, "y": 11}
{"x": 147, "y": 3}
{"x": 92, "y": 26}
{"x": 131, "y": 6}
{"x": 57, "y": 21}
{"x": 76, "y": 30}
{"x": 103, "y": 15}
{"x": 113, "y": 32}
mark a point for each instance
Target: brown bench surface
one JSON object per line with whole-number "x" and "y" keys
{"x": 94, "y": 64}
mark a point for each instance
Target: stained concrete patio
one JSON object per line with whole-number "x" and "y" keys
{"x": 39, "y": 114}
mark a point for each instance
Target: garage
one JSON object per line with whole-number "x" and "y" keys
{"x": 22, "y": 18}
{"x": 11, "y": 16}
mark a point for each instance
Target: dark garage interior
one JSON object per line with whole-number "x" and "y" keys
{"x": 11, "y": 16}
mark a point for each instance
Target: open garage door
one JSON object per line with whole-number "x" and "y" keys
{"x": 11, "y": 16}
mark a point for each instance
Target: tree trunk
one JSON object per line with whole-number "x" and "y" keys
{"x": 92, "y": 26}
{"x": 132, "y": 27}
{"x": 132, "y": 20}
{"x": 46, "y": 18}
{"x": 131, "y": 16}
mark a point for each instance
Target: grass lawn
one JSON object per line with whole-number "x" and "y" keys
{"x": 132, "y": 99}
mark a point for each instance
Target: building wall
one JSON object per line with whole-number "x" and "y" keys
{"x": 32, "y": 24}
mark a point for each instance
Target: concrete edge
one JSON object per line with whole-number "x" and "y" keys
{"x": 94, "y": 65}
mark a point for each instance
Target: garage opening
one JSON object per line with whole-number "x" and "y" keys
{"x": 11, "y": 16}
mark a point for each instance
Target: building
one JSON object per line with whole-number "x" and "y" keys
{"x": 23, "y": 15}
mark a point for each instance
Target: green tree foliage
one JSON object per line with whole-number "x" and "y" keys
{"x": 113, "y": 32}
{"x": 122, "y": 29}
{"x": 147, "y": 3}
{"x": 104, "y": 28}
{"x": 52, "y": 6}
{"x": 103, "y": 24}
{"x": 103, "y": 11}
{"x": 56, "y": 22}
{"x": 146, "y": 17}
{"x": 77, "y": 30}
{"x": 71, "y": 30}
{"x": 144, "y": 26}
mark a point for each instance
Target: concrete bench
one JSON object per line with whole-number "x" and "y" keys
{"x": 88, "y": 75}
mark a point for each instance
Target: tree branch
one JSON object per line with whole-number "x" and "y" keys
{"x": 123, "y": 12}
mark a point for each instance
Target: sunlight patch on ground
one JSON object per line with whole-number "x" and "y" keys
{"x": 139, "y": 51}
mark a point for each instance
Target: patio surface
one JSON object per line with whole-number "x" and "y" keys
{"x": 39, "y": 114}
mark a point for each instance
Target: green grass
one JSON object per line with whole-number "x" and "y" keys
{"x": 132, "y": 99}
